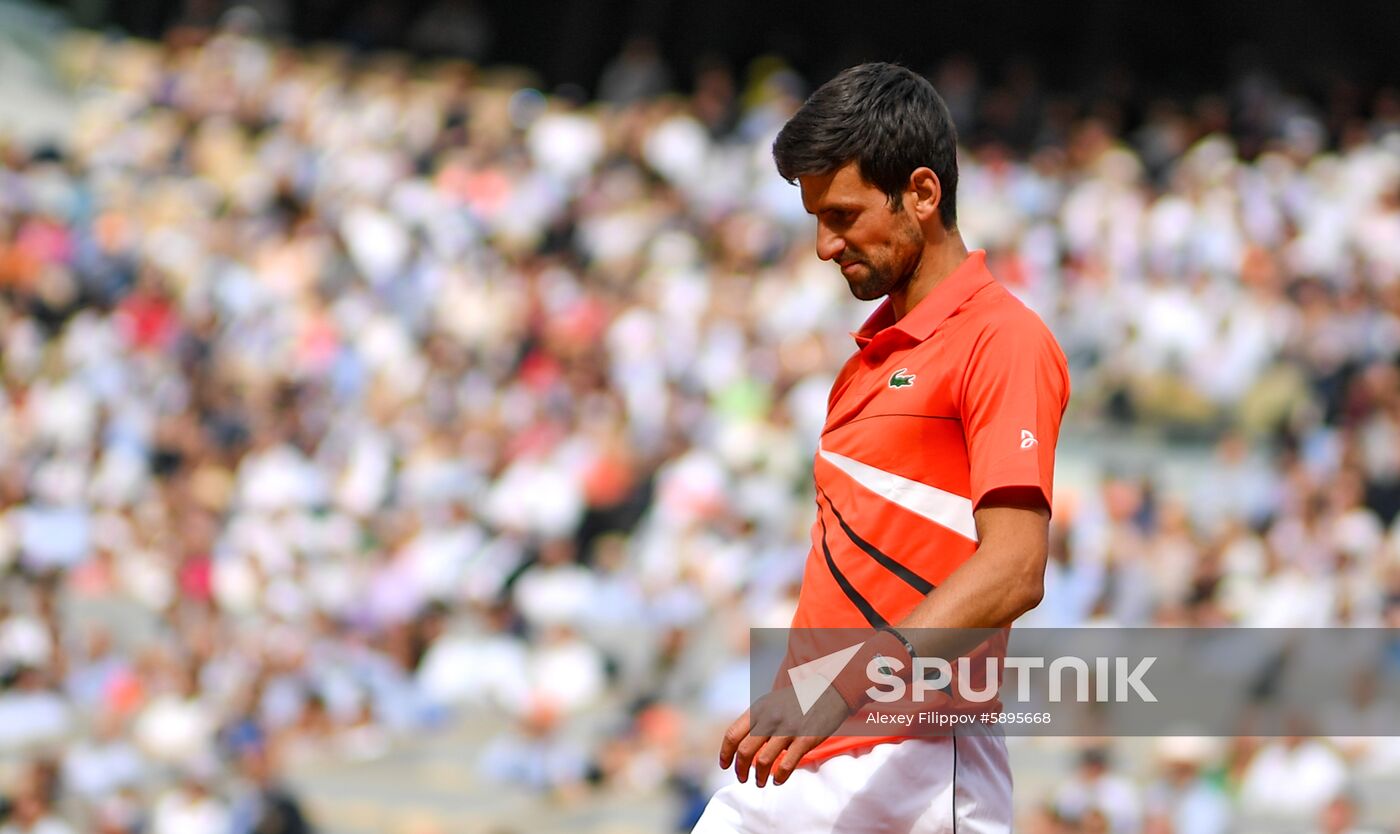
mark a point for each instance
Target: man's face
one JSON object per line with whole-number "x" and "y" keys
{"x": 878, "y": 249}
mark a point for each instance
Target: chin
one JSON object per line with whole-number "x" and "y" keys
{"x": 865, "y": 293}
{"x": 871, "y": 288}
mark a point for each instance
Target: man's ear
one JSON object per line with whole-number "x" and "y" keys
{"x": 925, "y": 194}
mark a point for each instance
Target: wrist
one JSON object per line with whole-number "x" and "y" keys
{"x": 908, "y": 648}
{"x": 854, "y": 681}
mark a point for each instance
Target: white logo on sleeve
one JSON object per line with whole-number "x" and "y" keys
{"x": 1027, "y": 439}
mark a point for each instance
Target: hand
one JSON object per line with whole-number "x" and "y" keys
{"x": 778, "y": 755}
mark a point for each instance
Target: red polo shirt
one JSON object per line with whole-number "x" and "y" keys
{"x": 962, "y": 396}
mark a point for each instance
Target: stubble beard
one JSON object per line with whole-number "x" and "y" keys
{"x": 895, "y": 271}
{"x": 877, "y": 283}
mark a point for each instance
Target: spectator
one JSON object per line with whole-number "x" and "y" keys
{"x": 1291, "y": 778}
{"x": 1339, "y": 817}
{"x": 262, "y": 806}
{"x": 191, "y": 807}
{"x": 1098, "y": 799}
{"x": 1186, "y": 798}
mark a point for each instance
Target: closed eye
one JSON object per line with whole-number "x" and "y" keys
{"x": 838, "y": 217}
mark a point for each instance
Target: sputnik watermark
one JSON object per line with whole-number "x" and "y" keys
{"x": 1088, "y": 682}
{"x": 934, "y": 674}
{"x": 1112, "y": 679}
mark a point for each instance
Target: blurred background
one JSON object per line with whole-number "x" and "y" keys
{"x": 406, "y": 408}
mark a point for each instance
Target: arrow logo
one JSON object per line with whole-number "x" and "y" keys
{"x": 812, "y": 678}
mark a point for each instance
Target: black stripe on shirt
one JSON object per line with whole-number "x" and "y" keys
{"x": 910, "y": 578}
{"x": 871, "y": 615}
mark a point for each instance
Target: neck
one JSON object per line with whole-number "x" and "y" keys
{"x": 937, "y": 262}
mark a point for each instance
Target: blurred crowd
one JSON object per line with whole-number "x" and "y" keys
{"x": 344, "y": 396}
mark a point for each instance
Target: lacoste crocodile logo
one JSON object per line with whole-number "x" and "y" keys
{"x": 902, "y": 378}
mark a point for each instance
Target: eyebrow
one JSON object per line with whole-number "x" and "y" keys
{"x": 838, "y": 207}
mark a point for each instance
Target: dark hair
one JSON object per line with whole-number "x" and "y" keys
{"x": 886, "y": 118}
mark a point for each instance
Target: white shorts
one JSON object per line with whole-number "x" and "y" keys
{"x": 916, "y": 786}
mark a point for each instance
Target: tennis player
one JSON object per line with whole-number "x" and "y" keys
{"x": 933, "y": 474}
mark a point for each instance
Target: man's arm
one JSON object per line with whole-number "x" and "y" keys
{"x": 1002, "y": 580}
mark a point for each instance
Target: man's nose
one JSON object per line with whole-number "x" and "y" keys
{"x": 829, "y": 245}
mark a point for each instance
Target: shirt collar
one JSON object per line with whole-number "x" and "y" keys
{"x": 919, "y": 323}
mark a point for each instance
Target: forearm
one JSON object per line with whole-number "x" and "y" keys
{"x": 1000, "y": 582}
{"x": 979, "y": 595}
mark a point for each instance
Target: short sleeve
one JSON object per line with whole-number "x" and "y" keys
{"x": 1014, "y": 394}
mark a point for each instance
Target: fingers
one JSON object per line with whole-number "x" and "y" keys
{"x": 767, "y": 756}
{"x": 739, "y": 747}
{"x": 737, "y": 732}
{"x": 748, "y": 748}
{"x": 772, "y": 758}
{"x": 795, "y": 751}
